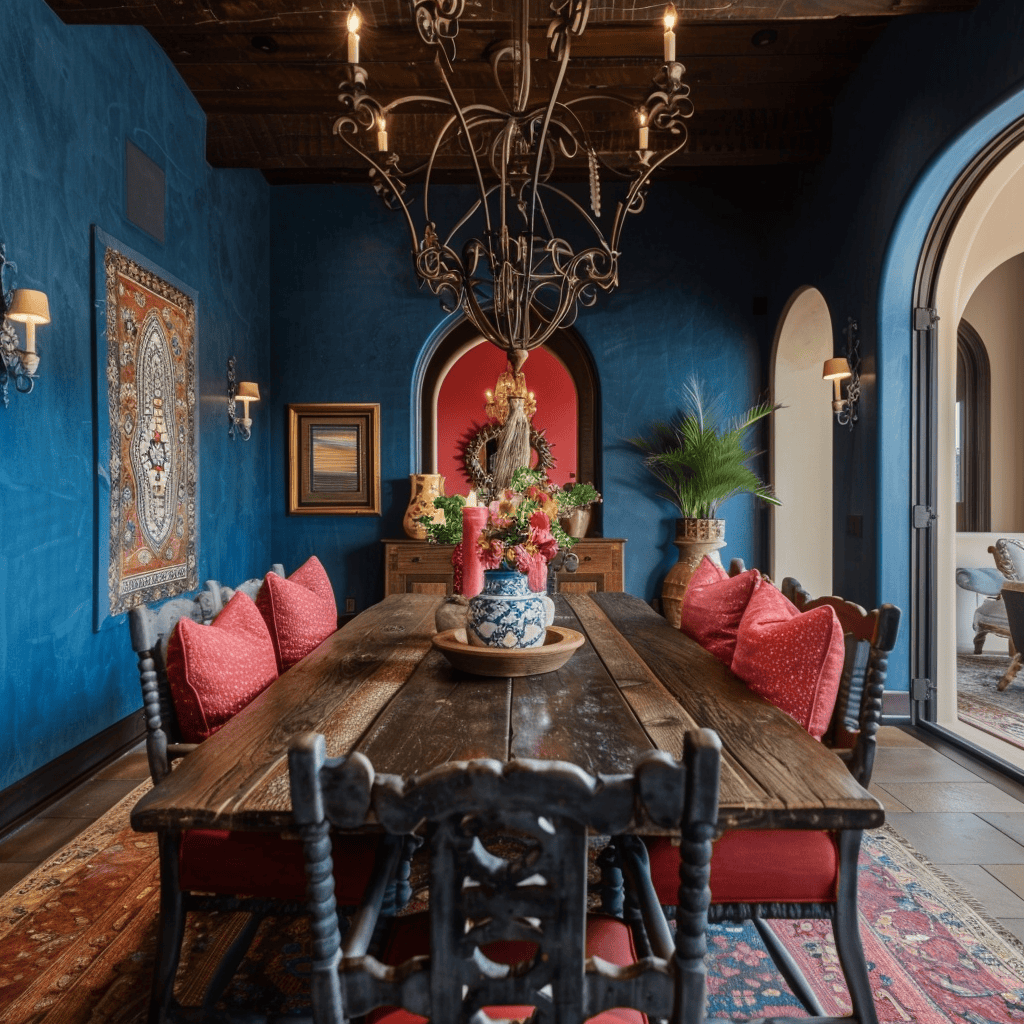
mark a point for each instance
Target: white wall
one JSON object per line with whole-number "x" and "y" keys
{"x": 996, "y": 311}
{"x": 801, "y": 444}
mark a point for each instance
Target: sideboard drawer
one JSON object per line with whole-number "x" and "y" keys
{"x": 416, "y": 567}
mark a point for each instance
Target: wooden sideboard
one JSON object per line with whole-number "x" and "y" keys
{"x": 416, "y": 567}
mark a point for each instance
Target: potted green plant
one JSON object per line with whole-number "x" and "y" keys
{"x": 702, "y": 459}
{"x": 574, "y": 506}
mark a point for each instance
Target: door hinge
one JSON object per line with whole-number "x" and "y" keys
{"x": 924, "y": 516}
{"x": 925, "y": 317}
{"x": 921, "y": 689}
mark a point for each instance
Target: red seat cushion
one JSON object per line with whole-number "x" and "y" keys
{"x": 300, "y": 611}
{"x": 793, "y": 659}
{"x": 767, "y": 866}
{"x": 713, "y": 606}
{"x": 214, "y": 671}
{"x": 607, "y": 938}
{"x": 265, "y": 864}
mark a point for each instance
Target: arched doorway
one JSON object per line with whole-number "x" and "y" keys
{"x": 978, "y": 227}
{"x": 801, "y": 444}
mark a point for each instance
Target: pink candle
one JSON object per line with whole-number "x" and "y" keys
{"x": 538, "y": 575}
{"x": 474, "y": 518}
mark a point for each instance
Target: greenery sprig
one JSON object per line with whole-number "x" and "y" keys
{"x": 701, "y": 458}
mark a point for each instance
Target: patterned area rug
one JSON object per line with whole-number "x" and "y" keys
{"x": 980, "y": 704}
{"x": 77, "y": 939}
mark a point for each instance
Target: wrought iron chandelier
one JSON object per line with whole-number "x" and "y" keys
{"x": 515, "y": 276}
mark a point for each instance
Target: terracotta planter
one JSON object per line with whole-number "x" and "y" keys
{"x": 424, "y": 487}
{"x": 695, "y": 538}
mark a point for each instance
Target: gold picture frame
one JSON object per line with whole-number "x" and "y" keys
{"x": 334, "y": 459}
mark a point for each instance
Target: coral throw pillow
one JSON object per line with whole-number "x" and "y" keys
{"x": 713, "y": 606}
{"x": 793, "y": 659}
{"x": 299, "y": 611}
{"x": 215, "y": 670}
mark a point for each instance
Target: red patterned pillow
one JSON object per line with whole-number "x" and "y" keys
{"x": 713, "y": 605}
{"x": 299, "y": 611}
{"x": 215, "y": 670}
{"x": 794, "y": 659}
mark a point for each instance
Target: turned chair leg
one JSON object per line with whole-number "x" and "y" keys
{"x": 1010, "y": 674}
{"x": 846, "y": 928}
{"x": 170, "y": 930}
{"x": 979, "y": 640}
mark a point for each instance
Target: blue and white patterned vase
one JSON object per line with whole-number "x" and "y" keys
{"x": 507, "y": 613}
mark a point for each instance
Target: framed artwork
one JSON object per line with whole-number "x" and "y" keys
{"x": 334, "y": 459}
{"x": 148, "y": 435}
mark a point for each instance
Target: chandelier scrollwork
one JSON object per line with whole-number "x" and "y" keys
{"x": 503, "y": 263}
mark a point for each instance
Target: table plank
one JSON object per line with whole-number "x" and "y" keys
{"x": 805, "y": 784}
{"x": 661, "y": 714}
{"x": 440, "y": 715}
{"x": 238, "y": 778}
{"x": 576, "y": 714}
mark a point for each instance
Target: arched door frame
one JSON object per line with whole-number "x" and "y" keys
{"x": 924, "y": 440}
{"x": 976, "y": 469}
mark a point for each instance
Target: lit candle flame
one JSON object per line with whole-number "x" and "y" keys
{"x": 354, "y": 20}
{"x": 670, "y": 17}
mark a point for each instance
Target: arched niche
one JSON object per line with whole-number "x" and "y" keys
{"x": 454, "y": 338}
{"x": 801, "y": 443}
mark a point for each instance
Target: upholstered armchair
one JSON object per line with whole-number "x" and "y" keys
{"x": 990, "y": 616}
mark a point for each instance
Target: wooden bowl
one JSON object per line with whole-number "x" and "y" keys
{"x": 557, "y": 649}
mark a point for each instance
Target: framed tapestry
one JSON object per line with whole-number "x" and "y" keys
{"x": 334, "y": 459}
{"x": 148, "y": 431}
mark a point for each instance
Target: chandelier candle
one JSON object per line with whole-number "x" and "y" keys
{"x": 474, "y": 519}
{"x": 670, "y": 35}
{"x": 353, "y": 36}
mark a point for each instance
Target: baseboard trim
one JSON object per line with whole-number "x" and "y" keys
{"x": 28, "y": 796}
{"x": 895, "y": 707}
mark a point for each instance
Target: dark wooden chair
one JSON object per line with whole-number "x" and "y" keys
{"x": 507, "y": 932}
{"x": 808, "y": 874}
{"x": 211, "y": 869}
{"x": 1013, "y": 602}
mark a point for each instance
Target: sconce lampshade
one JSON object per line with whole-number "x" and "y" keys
{"x": 29, "y": 307}
{"x": 247, "y": 389}
{"x": 836, "y": 369}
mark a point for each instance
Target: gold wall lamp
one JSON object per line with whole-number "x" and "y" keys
{"x": 244, "y": 391}
{"x": 847, "y": 368}
{"x": 31, "y": 308}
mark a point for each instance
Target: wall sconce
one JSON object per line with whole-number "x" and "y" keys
{"x": 21, "y": 305}
{"x": 846, "y": 368}
{"x": 245, "y": 392}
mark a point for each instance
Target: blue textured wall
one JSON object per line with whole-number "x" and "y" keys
{"x": 930, "y": 93}
{"x": 349, "y": 325}
{"x": 72, "y": 96}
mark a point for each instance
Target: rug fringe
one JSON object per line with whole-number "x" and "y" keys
{"x": 1013, "y": 943}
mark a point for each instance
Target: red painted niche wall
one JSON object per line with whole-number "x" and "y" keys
{"x": 461, "y": 401}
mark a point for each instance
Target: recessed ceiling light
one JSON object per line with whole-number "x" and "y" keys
{"x": 764, "y": 37}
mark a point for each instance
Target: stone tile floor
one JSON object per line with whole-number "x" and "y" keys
{"x": 963, "y": 816}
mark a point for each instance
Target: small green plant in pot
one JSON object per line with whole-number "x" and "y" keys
{"x": 701, "y": 459}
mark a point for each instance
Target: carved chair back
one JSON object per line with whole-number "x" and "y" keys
{"x": 870, "y": 637}
{"x": 151, "y": 630}
{"x": 531, "y": 886}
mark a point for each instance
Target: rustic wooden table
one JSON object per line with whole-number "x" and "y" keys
{"x": 378, "y": 686}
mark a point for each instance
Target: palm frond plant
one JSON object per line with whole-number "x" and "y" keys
{"x": 701, "y": 458}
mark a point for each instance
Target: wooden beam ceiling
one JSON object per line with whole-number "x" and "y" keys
{"x": 763, "y": 73}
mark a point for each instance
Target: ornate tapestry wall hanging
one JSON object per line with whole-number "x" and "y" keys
{"x": 151, "y": 397}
